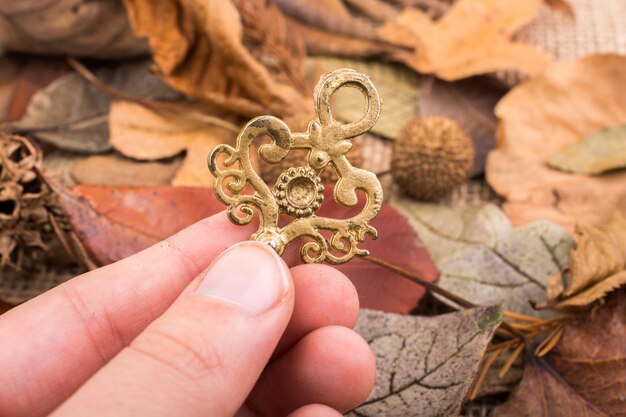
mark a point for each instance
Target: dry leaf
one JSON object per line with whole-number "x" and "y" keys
{"x": 145, "y": 134}
{"x": 71, "y": 113}
{"x": 596, "y": 153}
{"x": 116, "y": 222}
{"x": 95, "y": 28}
{"x": 585, "y": 374}
{"x": 117, "y": 170}
{"x": 597, "y": 265}
{"x": 482, "y": 258}
{"x": 425, "y": 365}
{"x": 273, "y": 45}
{"x": 473, "y": 37}
{"x": 198, "y": 50}
{"x": 541, "y": 116}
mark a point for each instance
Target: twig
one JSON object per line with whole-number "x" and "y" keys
{"x": 421, "y": 281}
{"x": 177, "y": 109}
{"x": 440, "y": 291}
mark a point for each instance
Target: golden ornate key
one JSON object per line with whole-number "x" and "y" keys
{"x": 298, "y": 191}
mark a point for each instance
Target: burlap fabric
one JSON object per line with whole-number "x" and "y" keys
{"x": 597, "y": 27}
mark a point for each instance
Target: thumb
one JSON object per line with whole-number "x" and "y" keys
{"x": 203, "y": 356}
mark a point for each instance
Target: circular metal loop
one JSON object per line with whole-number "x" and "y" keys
{"x": 333, "y": 81}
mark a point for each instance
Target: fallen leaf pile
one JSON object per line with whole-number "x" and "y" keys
{"x": 502, "y": 296}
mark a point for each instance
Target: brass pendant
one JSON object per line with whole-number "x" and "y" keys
{"x": 298, "y": 191}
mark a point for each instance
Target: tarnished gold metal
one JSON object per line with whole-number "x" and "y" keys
{"x": 298, "y": 191}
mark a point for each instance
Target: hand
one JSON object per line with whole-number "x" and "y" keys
{"x": 142, "y": 337}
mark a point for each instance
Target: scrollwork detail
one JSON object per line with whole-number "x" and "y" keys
{"x": 327, "y": 142}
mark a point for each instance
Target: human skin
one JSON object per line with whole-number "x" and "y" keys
{"x": 197, "y": 325}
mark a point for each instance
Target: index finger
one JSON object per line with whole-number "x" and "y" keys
{"x": 55, "y": 342}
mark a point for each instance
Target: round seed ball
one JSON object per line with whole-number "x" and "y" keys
{"x": 431, "y": 156}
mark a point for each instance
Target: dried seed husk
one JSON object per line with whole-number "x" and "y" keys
{"x": 431, "y": 156}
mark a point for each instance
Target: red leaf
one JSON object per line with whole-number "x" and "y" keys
{"x": 114, "y": 222}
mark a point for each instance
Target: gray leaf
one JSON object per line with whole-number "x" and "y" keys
{"x": 483, "y": 259}
{"x": 72, "y": 114}
{"x": 425, "y": 365}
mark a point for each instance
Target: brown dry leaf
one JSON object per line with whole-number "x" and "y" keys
{"x": 95, "y": 28}
{"x": 597, "y": 265}
{"x": 145, "y": 134}
{"x": 117, "y": 170}
{"x": 198, "y": 50}
{"x": 425, "y": 365}
{"x": 584, "y": 375}
{"x": 541, "y": 116}
{"x": 473, "y": 37}
{"x": 273, "y": 45}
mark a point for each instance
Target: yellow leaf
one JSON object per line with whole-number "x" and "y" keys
{"x": 141, "y": 133}
{"x": 473, "y": 37}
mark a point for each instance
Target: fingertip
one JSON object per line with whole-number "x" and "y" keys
{"x": 332, "y": 365}
{"x": 315, "y": 410}
{"x": 333, "y": 287}
{"x": 324, "y": 296}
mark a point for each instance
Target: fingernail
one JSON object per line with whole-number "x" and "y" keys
{"x": 249, "y": 275}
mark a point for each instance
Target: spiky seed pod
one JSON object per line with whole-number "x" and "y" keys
{"x": 431, "y": 156}
{"x": 297, "y": 157}
{"x": 30, "y": 216}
